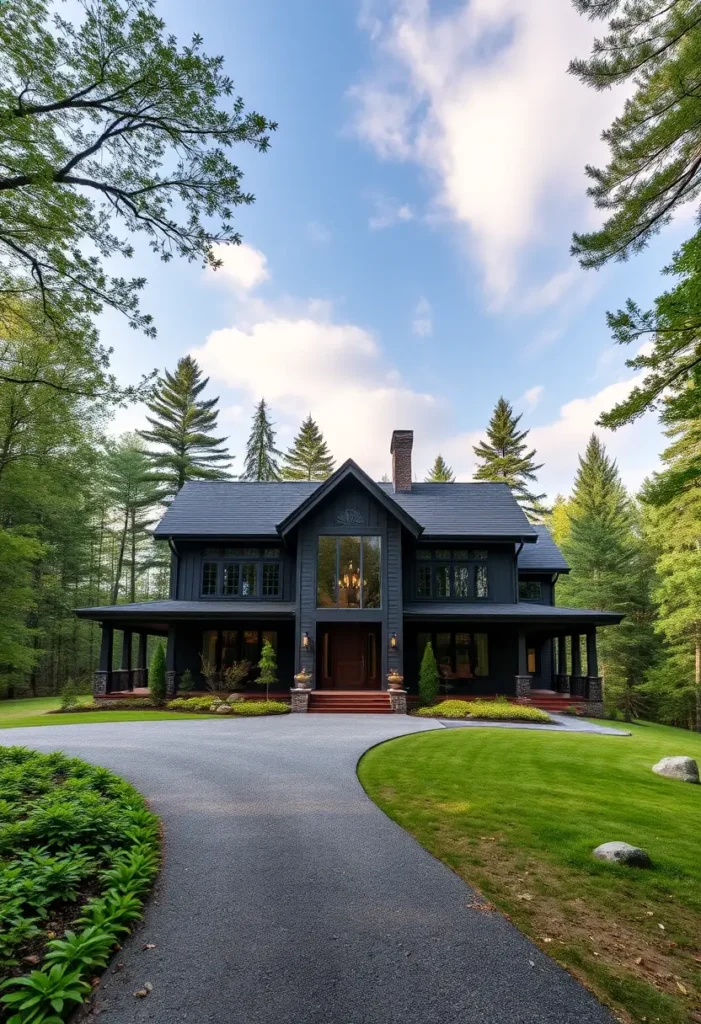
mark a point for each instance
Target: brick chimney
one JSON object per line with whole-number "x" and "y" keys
{"x": 402, "y": 443}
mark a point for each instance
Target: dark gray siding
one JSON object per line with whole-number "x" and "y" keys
{"x": 375, "y": 521}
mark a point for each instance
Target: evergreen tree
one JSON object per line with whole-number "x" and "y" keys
{"x": 181, "y": 425}
{"x": 610, "y": 570}
{"x": 308, "y": 458}
{"x": 654, "y": 170}
{"x": 157, "y": 673}
{"x": 506, "y": 460}
{"x": 441, "y": 472}
{"x": 261, "y": 453}
{"x": 674, "y": 524}
{"x": 429, "y": 678}
{"x": 268, "y": 667}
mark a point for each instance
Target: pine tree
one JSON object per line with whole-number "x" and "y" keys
{"x": 157, "y": 674}
{"x": 441, "y": 472}
{"x": 610, "y": 570}
{"x": 181, "y": 427}
{"x": 429, "y": 678}
{"x": 674, "y": 523}
{"x": 309, "y": 457}
{"x": 506, "y": 460}
{"x": 261, "y": 453}
{"x": 268, "y": 667}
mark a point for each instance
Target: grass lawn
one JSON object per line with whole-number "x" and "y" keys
{"x": 17, "y": 713}
{"x": 517, "y": 814}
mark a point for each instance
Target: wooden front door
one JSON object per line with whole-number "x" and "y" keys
{"x": 349, "y": 657}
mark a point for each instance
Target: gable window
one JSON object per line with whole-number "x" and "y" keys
{"x": 530, "y": 590}
{"x": 241, "y": 573}
{"x": 447, "y": 574}
{"x": 348, "y": 572}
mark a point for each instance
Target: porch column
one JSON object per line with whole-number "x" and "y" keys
{"x": 125, "y": 680}
{"x": 577, "y": 681}
{"x": 523, "y": 680}
{"x": 594, "y": 684}
{"x": 170, "y": 662}
{"x": 140, "y": 674}
{"x": 562, "y": 681}
{"x": 102, "y": 681}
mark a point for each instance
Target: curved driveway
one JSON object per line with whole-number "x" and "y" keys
{"x": 287, "y": 897}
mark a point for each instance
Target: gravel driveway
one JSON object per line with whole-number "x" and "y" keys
{"x": 287, "y": 897}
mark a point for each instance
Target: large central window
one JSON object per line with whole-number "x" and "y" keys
{"x": 348, "y": 572}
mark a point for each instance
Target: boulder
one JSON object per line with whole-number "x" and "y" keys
{"x": 223, "y": 709}
{"x": 623, "y": 853}
{"x": 234, "y": 698}
{"x": 685, "y": 769}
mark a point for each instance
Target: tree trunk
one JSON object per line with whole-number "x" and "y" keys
{"x": 132, "y": 595}
{"x": 120, "y": 559}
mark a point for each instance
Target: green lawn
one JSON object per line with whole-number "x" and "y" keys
{"x": 517, "y": 814}
{"x": 17, "y": 713}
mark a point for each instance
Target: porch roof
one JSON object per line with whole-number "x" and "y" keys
{"x": 522, "y": 613}
{"x": 169, "y": 611}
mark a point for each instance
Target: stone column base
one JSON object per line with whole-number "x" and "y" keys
{"x": 578, "y": 686}
{"x": 562, "y": 685}
{"x": 595, "y": 689}
{"x": 100, "y": 683}
{"x": 121, "y": 678}
{"x": 523, "y": 686}
{"x": 397, "y": 699}
{"x": 170, "y": 685}
{"x": 593, "y": 708}
{"x": 139, "y": 676}
{"x": 299, "y": 700}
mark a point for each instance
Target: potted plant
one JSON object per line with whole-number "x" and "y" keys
{"x": 395, "y": 680}
{"x": 303, "y": 679}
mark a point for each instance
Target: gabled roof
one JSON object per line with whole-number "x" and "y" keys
{"x": 543, "y": 556}
{"x": 240, "y": 508}
{"x": 349, "y": 470}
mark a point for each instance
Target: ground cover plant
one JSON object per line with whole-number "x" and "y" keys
{"x": 517, "y": 814}
{"x": 485, "y": 710}
{"x": 79, "y": 851}
{"x": 234, "y": 705}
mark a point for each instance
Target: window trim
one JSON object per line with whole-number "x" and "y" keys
{"x": 222, "y": 561}
{"x": 429, "y": 558}
{"x": 530, "y": 583}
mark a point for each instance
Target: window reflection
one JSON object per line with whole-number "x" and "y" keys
{"x": 349, "y": 572}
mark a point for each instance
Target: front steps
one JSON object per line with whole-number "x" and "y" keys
{"x": 350, "y": 702}
{"x": 549, "y": 700}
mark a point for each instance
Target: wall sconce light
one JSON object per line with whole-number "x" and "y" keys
{"x": 305, "y": 641}
{"x": 393, "y": 641}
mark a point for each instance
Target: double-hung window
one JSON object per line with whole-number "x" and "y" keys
{"x": 447, "y": 574}
{"x": 241, "y": 573}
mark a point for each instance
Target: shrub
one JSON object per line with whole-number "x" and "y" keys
{"x": 187, "y": 681}
{"x": 268, "y": 668}
{"x": 235, "y": 675}
{"x": 69, "y": 697}
{"x": 429, "y": 679}
{"x": 485, "y": 710}
{"x": 68, "y": 828}
{"x": 157, "y": 674}
{"x": 260, "y": 707}
{"x": 190, "y": 704}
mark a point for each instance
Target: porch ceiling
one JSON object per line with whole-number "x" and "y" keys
{"x": 522, "y": 613}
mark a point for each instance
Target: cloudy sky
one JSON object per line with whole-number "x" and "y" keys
{"x": 406, "y": 261}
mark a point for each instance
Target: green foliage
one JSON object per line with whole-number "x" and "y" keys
{"x": 261, "y": 454}
{"x": 187, "y": 681}
{"x": 181, "y": 428}
{"x": 69, "y": 697}
{"x": 429, "y": 678}
{"x": 157, "y": 673}
{"x": 251, "y": 708}
{"x": 653, "y": 170}
{"x": 75, "y": 825}
{"x": 106, "y": 124}
{"x": 506, "y": 460}
{"x": 441, "y": 472}
{"x": 309, "y": 457}
{"x": 484, "y": 710}
{"x": 18, "y": 554}
{"x": 611, "y": 569}
{"x": 268, "y": 667}
{"x": 190, "y": 704}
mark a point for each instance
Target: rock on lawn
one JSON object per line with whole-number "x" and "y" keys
{"x": 623, "y": 853}
{"x": 683, "y": 768}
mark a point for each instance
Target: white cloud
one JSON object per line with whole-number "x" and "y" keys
{"x": 317, "y": 232}
{"x": 530, "y": 398}
{"x": 422, "y": 324}
{"x": 388, "y": 212}
{"x": 242, "y": 265}
{"x": 480, "y": 98}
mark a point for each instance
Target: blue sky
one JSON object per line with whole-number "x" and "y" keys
{"x": 406, "y": 260}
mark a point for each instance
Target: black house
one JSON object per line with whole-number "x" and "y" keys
{"x": 348, "y": 579}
